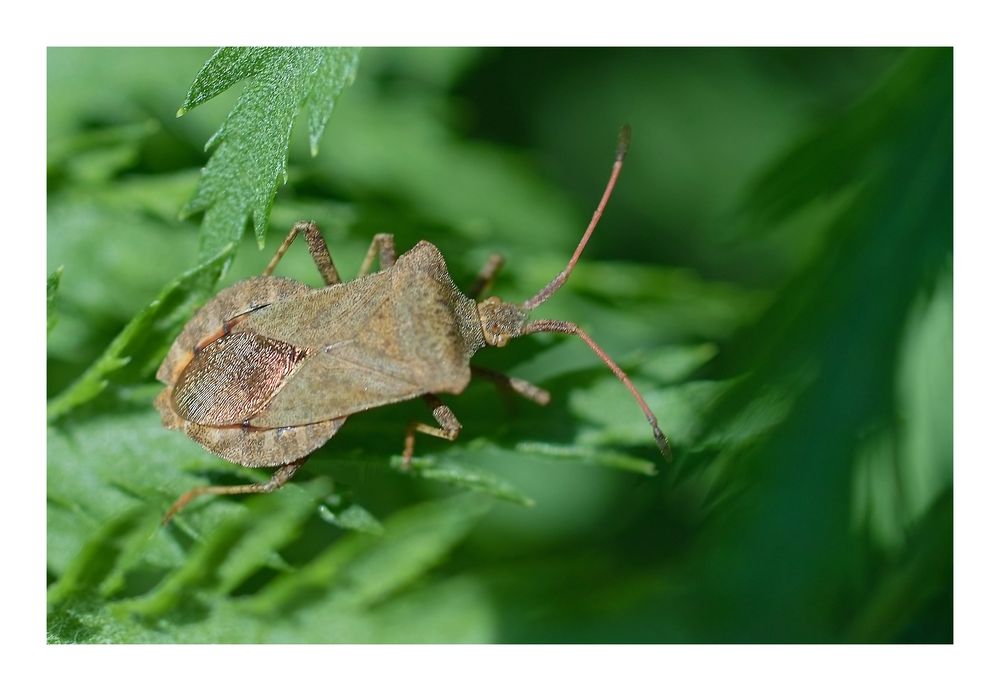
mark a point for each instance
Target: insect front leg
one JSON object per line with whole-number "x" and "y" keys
{"x": 282, "y": 475}
{"x": 383, "y": 244}
{"x": 449, "y": 426}
{"x": 486, "y": 275}
{"x": 509, "y": 384}
{"x": 317, "y": 248}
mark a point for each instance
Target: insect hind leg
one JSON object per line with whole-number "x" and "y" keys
{"x": 508, "y": 384}
{"x": 449, "y": 427}
{"x": 281, "y": 476}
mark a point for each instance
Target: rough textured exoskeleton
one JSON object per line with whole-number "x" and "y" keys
{"x": 270, "y": 369}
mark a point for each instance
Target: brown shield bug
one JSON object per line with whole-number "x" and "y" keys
{"x": 269, "y": 369}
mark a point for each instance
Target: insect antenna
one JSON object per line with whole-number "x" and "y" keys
{"x": 571, "y": 328}
{"x": 624, "y": 137}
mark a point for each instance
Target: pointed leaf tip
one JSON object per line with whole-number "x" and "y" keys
{"x": 249, "y": 151}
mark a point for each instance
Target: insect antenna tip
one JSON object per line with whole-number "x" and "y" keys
{"x": 624, "y": 141}
{"x": 661, "y": 441}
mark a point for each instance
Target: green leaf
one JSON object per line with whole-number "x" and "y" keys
{"x": 465, "y": 475}
{"x": 120, "y": 576}
{"x": 360, "y": 570}
{"x": 51, "y": 286}
{"x": 350, "y": 517}
{"x": 226, "y": 67}
{"x": 911, "y": 582}
{"x": 156, "y": 323}
{"x": 844, "y": 152}
{"x": 825, "y": 366}
{"x": 902, "y": 470}
{"x": 106, "y": 238}
{"x": 234, "y": 550}
{"x": 96, "y": 562}
{"x": 250, "y": 150}
{"x": 589, "y": 456}
{"x": 96, "y": 156}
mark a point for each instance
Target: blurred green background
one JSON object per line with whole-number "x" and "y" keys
{"x": 774, "y": 269}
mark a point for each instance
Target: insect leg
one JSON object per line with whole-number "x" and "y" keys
{"x": 449, "y": 426}
{"x": 513, "y": 384}
{"x": 282, "y": 475}
{"x": 486, "y": 275}
{"x": 385, "y": 245}
{"x": 317, "y": 248}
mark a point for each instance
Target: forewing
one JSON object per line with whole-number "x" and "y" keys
{"x": 237, "y": 299}
{"x": 340, "y": 381}
{"x": 329, "y": 315}
{"x": 231, "y": 379}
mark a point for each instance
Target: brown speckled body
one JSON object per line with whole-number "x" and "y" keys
{"x": 268, "y": 371}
